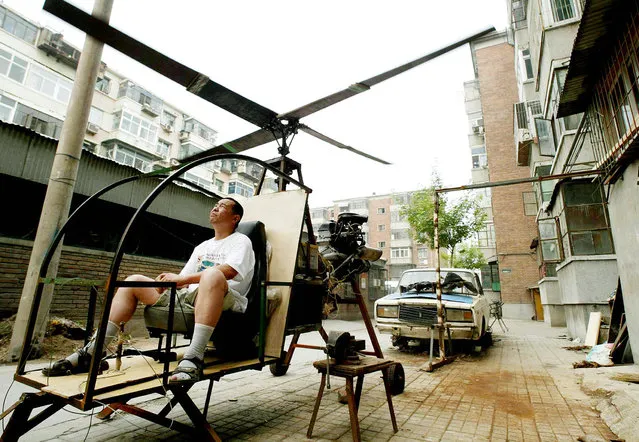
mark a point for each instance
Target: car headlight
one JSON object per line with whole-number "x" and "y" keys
{"x": 387, "y": 311}
{"x": 457, "y": 315}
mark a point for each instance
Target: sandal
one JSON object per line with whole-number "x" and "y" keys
{"x": 194, "y": 374}
{"x": 63, "y": 367}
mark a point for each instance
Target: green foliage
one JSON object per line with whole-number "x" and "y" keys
{"x": 458, "y": 220}
{"x": 470, "y": 257}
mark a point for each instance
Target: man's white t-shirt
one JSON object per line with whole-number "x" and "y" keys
{"x": 236, "y": 251}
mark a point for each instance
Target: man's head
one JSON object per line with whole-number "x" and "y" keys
{"x": 227, "y": 210}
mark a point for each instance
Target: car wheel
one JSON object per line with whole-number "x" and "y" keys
{"x": 396, "y": 379}
{"x": 400, "y": 342}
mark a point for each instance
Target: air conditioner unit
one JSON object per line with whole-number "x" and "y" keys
{"x": 478, "y": 126}
{"x": 92, "y": 128}
{"x": 184, "y": 135}
{"x": 524, "y": 135}
{"x": 167, "y": 127}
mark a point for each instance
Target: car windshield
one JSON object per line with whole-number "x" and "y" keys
{"x": 453, "y": 281}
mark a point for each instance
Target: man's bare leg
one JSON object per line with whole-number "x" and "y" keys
{"x": 123, "y": 306}
{"x": 208, "y": 309}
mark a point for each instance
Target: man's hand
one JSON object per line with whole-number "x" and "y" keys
{"x": 169, "y": 277}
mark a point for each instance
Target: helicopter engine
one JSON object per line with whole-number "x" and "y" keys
{"x": 342, "y": 243}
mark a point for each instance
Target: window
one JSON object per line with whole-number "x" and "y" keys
{"x": 95, "y": 116}
{"x": 486, "y": 236}
{"x": 422, "y": 254}
{"x": 399, "y": 234}
{"x": 490, "y": 277}
{"x": 480, "y": 160}
{"x": 219, "y": 185}
{"x": 168, "y": 119}
{"x": 381, "y": 210}
{"x": 136, "y": 126}
{"x": 545, "y": 137}
{"x": 526, "y": 65}
{"x": 17, "y": 26}
{"x": 400, "y": 252}
{"x": 37, "y": 121}
{"x": 12, "y": 66}
{"x": 549, "y": 240}
{"x": 129, "y": 157}
{"x": 7, "y": 106}
{"x": 163, "y": 148}
{"x": 199, "y": 129}
{"x": 361, "y": 204}
{"x": 571, "y": 122}
{"x": 562, "y": 10}
{"x": 239, "y": 188}
{"x": 544, "y": 188}
{"x": 202, "y": 182}
{"x": 530, "y": 203}
{"x": 49, "y": 84}
{"x": 521, "y": 115}
{"x": 400, "y": 199}
{"x": 381, "y": 227}
{"x": 397, "y": 217}
{"x": 139, "y": 95}
{"x": 586, "y": 219}
{"x": 381, "y": 244}
{"x": 103, "y": 84}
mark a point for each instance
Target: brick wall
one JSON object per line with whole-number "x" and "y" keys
{"x": 68, "y": 301}
{"x": 514, "y": 231}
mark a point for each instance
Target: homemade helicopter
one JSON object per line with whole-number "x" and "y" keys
{"x": 297, "y": 274}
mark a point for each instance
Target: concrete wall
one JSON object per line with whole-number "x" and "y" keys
{"x": 586, "y": 284}
{"x": 623, "y": 208}
{"x": 551, "y": 301}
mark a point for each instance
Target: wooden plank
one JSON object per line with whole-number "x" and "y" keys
{"x": 592, "y": 333}
{"x": 282, "y": 214}
{"x": 138, "y": 373}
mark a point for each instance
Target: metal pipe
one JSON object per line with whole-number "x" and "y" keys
{"x": 438, "y": 282}
{"x": 534, "y": 179}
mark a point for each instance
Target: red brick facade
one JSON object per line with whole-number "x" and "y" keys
{"x": 68, "y": 301}
{"x": 514, "y": 231}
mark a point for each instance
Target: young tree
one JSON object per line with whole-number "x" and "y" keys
{"x": 469, "y": 257}
{"x": 458, "y": 220}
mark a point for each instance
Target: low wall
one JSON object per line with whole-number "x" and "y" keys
{"x": 68, "y": 301}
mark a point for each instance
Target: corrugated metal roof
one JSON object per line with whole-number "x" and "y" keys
{"x": 28, "y": 155}
{"x": 601, "y": 23}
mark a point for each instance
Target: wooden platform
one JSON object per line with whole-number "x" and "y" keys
{"x": 138, "y": 375}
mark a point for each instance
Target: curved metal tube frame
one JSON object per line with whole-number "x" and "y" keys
{"x": 117, "y": 259}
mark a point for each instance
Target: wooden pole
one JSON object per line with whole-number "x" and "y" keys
{"x": 57, "y": 200}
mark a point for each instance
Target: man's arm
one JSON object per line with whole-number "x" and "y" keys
{"x": 194, "y": 278}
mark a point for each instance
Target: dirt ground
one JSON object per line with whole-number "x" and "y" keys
{"x": 62, "y": 338}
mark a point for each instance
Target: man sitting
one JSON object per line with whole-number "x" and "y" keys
{"x": 216, "y": 277}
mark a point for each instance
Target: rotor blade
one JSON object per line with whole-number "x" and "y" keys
{"x": 192, "y": 80}
{"x": 365, "y": 85}
{"x": 257, "y": 138}
{"x": 329, "y": 140}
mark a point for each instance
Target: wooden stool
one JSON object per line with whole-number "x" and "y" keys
{"x": 348, "y": 371}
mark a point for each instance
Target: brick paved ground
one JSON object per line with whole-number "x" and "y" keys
{"x": 522, "y": 389}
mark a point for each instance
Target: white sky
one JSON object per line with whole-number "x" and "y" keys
{"x": 285, "y": 54}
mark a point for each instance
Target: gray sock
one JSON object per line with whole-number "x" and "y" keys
{"x": 201, "y": 335}
{"x": 111, "y": 333}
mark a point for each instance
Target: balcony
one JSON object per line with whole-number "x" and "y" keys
{"x": 54, "y": 45}
{"x": 250, "y": 171}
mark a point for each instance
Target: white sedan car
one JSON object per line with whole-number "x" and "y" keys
{"x": 410, "y": 312}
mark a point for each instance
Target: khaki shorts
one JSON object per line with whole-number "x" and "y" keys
{"x": 185, "y": 299}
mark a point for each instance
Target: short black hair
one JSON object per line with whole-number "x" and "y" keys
{"x": 237, "y": 209}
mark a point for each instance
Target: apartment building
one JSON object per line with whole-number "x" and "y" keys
{"x": 602, "y": 84}
{"x": 127, "y": 123}
{"x": 575, "y": 250}
{"x": 386, "y": 229}
{"x": 510, "y": 226}
{"x": 484, "y": 240}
